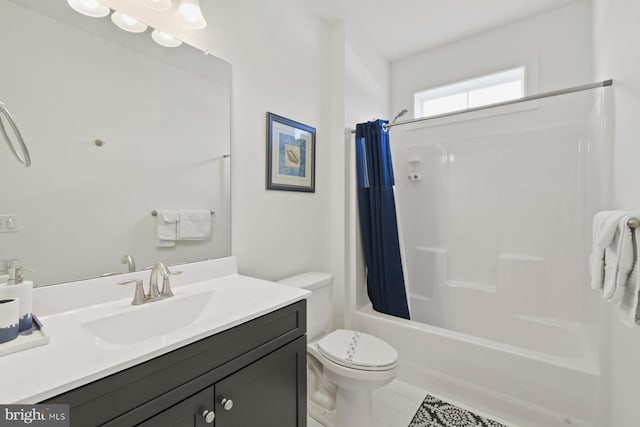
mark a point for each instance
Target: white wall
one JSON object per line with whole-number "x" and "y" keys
{"x": 280, "y": 56}
{"x": 366, "y": 97}
{"x": 367, "y": 74}
{"x": 360, "y": 92}
{"x": 616, "y": 33}
{"x": 555, "y": 45}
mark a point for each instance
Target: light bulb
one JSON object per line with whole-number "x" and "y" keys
{"x": 189, "y": 15}
{"x": 157, "y": 4}
{"x": 164, "y": 39}
{"x": 92, "y": 8}
{"x": 127, "y": 23}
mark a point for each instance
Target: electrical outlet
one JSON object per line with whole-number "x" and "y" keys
{"x": 9, "y": 223}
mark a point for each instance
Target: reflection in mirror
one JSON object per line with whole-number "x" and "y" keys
{"x": 118, "y": 127}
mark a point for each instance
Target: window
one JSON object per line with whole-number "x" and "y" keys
{"x": 489, "y": 89}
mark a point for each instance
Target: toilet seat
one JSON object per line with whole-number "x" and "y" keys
{"x": 357, "y": 350}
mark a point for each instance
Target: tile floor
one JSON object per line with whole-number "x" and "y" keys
{"x": 394, "y": 405}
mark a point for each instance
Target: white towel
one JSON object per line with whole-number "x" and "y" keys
{"x": 194, "y": 224}
{"x": 626, "y": 259}
{"x": 629, "y": 305}
{"x": 167, "y": 228}
{"x": 602, "y": 262}
{"x": 619, "y": 259}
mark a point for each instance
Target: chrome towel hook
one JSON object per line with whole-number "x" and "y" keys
{"x": 23, "y": 158}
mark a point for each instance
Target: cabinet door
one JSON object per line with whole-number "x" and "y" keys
{"x": 188, "y": 413}
{"x": 271, "y": 392}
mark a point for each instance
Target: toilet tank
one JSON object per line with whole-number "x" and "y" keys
{"x": 318, "y": 303}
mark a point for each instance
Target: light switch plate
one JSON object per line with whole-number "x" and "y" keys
{"x": 9, "y": 224}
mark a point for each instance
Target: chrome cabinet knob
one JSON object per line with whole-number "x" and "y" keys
{"x": 208, "y": 416}
{"x": 227, "y": 404}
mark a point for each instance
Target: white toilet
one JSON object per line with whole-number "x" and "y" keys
{"x": 343, "y": 367}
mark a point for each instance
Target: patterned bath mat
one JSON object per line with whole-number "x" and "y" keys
{"x": 436, "y": 413}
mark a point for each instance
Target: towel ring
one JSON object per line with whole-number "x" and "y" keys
{"x": 25, "y": 158}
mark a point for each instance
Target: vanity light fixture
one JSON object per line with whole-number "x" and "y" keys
{"x": 127, "y": 23}
{"x": 164, "y": 39}
{"x": 189, "y": 15}
{"x": 157, "y": 4}
{"x": 92, "y": 8}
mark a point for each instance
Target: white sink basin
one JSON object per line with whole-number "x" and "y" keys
{"x": 151, "y": 320}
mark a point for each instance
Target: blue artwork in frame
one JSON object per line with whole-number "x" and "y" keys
{"x": 290, "y": 155}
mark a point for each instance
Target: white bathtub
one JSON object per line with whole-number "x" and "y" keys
{"x": 523, "y": 386}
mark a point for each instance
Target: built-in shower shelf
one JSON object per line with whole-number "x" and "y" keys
{"x": 490, "y": 289}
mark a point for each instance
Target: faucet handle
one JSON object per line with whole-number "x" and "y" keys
{"x": 166, "y": 286}
{"x": 138, "y": 297}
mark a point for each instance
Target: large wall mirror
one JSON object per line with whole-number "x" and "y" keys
{"x": 162, "y": 116}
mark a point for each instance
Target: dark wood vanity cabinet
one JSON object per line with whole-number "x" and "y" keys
{"x": 251, "y": 375}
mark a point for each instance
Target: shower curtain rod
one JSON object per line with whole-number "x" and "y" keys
{"x": 603, "y": 83}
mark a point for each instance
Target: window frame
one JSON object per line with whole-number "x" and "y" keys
{"x": 465, "y": 86}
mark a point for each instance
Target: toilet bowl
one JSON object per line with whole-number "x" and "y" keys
{"x": 343, "y": 366}
{"x": 356, "y": 363}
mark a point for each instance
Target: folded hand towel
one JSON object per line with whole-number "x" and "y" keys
{"x": 605, "y": 231}
{"x": 194, "y": 224}
{"x": 629, "y": 304}
{"x": 167, "y": 228}
{"x": 614, "y": 264}
{"x": 614, "y": 290}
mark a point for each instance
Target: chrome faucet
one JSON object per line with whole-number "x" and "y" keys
{"x": 126, "y": 259}
{"x": 140, "y": 297}
{"x": 130, "y": 263}
{"x": 159, "y": 267}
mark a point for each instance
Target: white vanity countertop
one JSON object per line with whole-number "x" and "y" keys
{"x": 78, "y": 353}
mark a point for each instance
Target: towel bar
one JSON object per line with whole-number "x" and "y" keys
{"x": 155, "y": 213}
{"x": 633, "y": 223}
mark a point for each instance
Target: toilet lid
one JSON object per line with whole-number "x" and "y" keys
{"x": 357, "y": 350}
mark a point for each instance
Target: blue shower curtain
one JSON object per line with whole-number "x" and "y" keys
{"x": 378, "y": 223}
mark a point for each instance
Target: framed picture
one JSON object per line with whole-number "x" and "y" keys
{"x": 291, "y": 155}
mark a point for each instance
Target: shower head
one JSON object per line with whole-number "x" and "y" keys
{"x": 400, "y": 114}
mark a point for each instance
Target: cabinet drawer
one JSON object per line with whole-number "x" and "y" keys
{"x": 183, "y": 369}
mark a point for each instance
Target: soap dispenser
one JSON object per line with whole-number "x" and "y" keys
{"x": 8, "y": 320}
{"x": 21, "y": 290}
